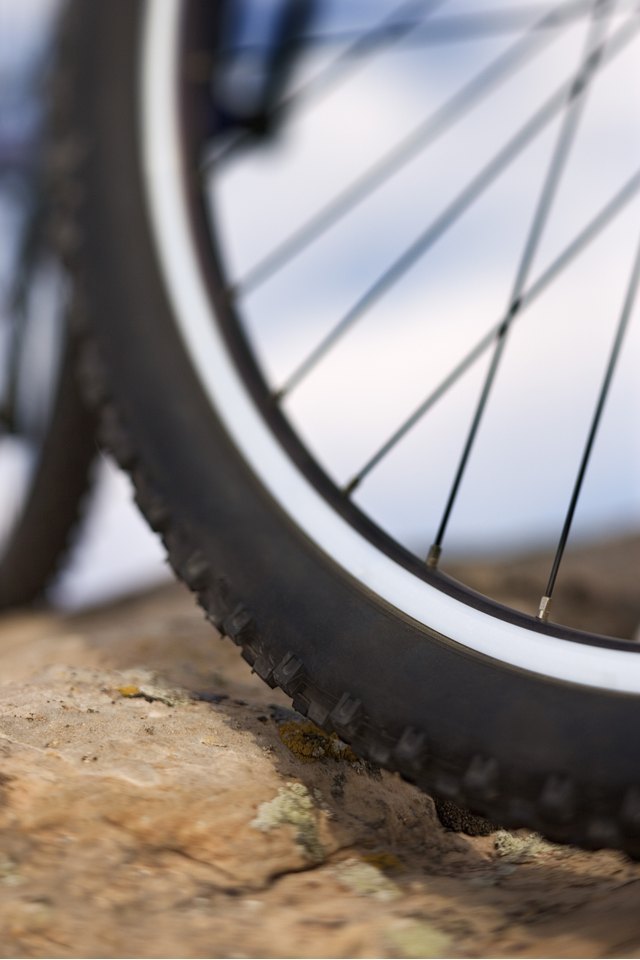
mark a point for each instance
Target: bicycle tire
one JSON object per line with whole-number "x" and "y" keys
{"x": 520, "y": 746}
{"x": 40, "y": 535}
{"x": 38, "y": 528}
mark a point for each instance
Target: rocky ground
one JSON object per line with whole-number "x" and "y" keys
{"x": 156, "y": 800}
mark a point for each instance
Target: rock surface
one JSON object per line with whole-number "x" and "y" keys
{"x": 157, "y": 800}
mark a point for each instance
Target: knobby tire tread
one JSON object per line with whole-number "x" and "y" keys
{"x": 554, "y": 804}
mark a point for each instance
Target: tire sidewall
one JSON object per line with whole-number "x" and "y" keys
{"x": 465, "y": 710}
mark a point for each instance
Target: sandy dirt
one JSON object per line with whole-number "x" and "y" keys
{"x": 157, "y": 800}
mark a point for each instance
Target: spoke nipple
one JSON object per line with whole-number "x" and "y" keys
{"x": 543, "y": 610}
{"x": 434, "y": 555}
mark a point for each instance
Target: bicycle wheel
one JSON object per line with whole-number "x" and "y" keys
{"x": 46, "y": 430}
{"x": 46, "y": 450}
{"x": 518, "y": 718}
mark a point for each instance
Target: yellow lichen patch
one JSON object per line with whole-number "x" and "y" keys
{"x": 308, "y": 743}
{"x": 383, "y": 860}
{"x": 152, "y": 694}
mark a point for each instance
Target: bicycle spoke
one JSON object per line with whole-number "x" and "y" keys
{"x": 575, "y": 106}
{"x": 474, "y": 189}
{"x": 424, "y": 135}
{"x": 456, "y": 28}
{"x": 593, "y": 229}
{"x": 623, "y": 323}
{"x": 469, "y": 27}
{"x": 391, "y": 29}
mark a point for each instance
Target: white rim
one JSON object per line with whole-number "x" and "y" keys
{"x": 593, "y": 666}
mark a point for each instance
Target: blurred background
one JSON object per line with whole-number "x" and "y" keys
{"x": 114, "y": 552}
{"x": 516, "y": 488}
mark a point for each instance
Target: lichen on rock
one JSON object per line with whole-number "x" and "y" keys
{"x": 522, "y": 847}
{"x": 383, "y": 860}
{"x": 309, "y": 743}
{"x": 366, "y": 879}
{"x": 293, "y": 806}
{"x": 418, "y": 939}
{"x": 152, "y": 692}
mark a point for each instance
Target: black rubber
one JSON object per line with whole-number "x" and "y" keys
{"x": 52, "y": 506}
{"x": 516, "y": 747}
{"x": 40, "y": 536}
